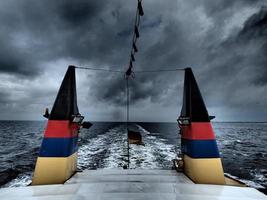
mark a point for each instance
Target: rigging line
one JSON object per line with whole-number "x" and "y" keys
{"x": 127, "y": 110}
{"x": 127, "y": 92}
{"x": 100, "y": 69}
{"x": 160, "y": 70}
{"x": 138, "y": 71}
{"x": 138, "y": 18}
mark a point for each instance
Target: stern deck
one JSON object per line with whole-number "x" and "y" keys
{"x": 112, "y": 184}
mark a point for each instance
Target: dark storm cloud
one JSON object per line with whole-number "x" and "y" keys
{"x": 255, "y": 31}
{"x": 12, "y": 58}
{"x": 33, "y": 32}
{"x": 223, "y": 41}
{"x": 234, "y": 69}
{"x": 239, "y": 62}
{"x": 77, "y": 13}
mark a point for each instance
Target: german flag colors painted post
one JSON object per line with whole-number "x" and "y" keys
{"x": 57, "y": 160}
{"x": 202, "y": 162}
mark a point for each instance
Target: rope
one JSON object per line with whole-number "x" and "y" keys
{"x": 138, "y": 71}
{"x": 127, "y": 121}
{"x": 160, "y": 70}
{"x": 99, "y": 69}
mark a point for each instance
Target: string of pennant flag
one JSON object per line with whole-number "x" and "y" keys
{"x": 134, "y": 50}
{"x": 136, "y": 35}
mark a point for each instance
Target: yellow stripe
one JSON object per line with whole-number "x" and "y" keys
{"x": 204, "y": 171}
{"x": 54, "y": 170}
{"x": 233, "y": 182}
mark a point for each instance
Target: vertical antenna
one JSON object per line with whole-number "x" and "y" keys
{"x": 127, "y": 122}
{"x": 128, "y": 73}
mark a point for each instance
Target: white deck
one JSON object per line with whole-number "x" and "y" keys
{"x": 131, "y": 184}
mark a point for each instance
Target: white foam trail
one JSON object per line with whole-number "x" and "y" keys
{"x": 156, "y": 154}
{"x": 112, "y": 143}
{"x": 142, "y": 129}
{"x": 247, "y": 182}
{"x": 21, "y": 181}
{"x": 117, "y": 148}
{"x": 85, "y": 152}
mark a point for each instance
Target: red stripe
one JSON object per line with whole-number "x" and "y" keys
{"x": 198, "y": 131}
{"x": 61, "y": 129}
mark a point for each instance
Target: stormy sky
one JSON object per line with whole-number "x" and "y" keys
{"x": 224, "y": 41}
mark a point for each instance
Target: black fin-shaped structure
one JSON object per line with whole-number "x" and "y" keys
{"x": 65, "y": 105}
{"x": 193, "y": 105}
{"x": 57, "y": 159}
{"x": 200, "y": 154}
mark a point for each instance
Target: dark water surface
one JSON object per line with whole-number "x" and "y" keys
{"x": 242, "y": 146}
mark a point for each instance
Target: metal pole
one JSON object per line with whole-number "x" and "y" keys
{"x": 127, "y": 122}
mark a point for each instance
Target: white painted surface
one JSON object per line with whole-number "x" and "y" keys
{"x": 131, "y": 184}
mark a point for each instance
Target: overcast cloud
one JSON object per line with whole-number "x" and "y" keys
{"x": 224, "y": 41}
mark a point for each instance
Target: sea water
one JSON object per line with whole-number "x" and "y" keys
{"x": 242, "y": 147}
